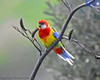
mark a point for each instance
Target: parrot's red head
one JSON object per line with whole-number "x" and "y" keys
{"x": 43, "y": 24}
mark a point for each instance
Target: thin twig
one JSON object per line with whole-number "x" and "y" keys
{"x": 22, "y": 25}
{"x": 95, "y": 7}
{"x": 17, "y": 29}
{"x": 39, "y": 46}
{"x": 34, "y": 32}
{"x": 70, "y": 34}
{"x": 67, "y": 5}
{"x": 83, "y": 46}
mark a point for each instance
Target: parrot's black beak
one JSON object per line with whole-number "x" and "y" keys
{"x": 39, "y": 25}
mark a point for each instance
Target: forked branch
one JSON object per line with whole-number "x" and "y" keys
{"x": 24, "y": 31}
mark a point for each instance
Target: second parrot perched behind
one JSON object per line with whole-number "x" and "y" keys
{"x": 47, "y": 36}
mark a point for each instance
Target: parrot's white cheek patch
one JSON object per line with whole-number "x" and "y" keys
{"x": 43, "y": 26}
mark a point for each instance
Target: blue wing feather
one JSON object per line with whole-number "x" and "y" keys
{"x": 55, "y": 34}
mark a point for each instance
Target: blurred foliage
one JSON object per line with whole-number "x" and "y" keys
{"x": 86, "y": 23}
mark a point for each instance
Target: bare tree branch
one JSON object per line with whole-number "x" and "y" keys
{"x": 36, "y": 68}
{"x": 83, "y": 46}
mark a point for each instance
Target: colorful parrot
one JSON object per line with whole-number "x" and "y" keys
{"x": 48, "y": 35}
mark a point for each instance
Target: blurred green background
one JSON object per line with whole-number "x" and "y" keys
{"x": 18, "y": 56}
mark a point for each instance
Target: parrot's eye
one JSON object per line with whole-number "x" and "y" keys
{"x": 42, "y": 23}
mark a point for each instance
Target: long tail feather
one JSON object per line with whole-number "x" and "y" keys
{"x": 65, "y": 55}
{"x": 66, "y": 59}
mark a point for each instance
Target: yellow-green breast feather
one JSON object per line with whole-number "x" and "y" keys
{"x": 47, "y": 41}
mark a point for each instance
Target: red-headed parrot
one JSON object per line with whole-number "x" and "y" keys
{"x": 48, "y": 35}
